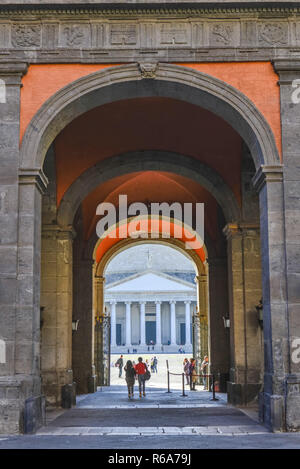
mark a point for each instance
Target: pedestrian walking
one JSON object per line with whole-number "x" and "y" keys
{"x": 155, "y": 362}
{"x": 141, "y": 369}
{"x": 130, "y": 378}
{"x": 204, "y": 368}
{"x": 186, "y": 366}
{"x": 192, "y": 374}
{"x": 120, "y": 363}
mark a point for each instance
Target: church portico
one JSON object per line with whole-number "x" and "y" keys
{"x": 158, "y": 320}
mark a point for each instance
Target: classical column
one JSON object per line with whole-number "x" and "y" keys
{"x": 173, "y": 322}
{"x": 158, "y": 323}
{"x": 128, "y": 324}
{"x": 57, "y": 302}
{"x": 244, "y": 280}
{"x": 113, "y": 323}
{"x": 142, "y": 322}
{"x": 187, "y": 322}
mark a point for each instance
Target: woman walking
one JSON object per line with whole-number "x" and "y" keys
{"x": 186, "y": 367}
{"x": 192, "y": 374}
{"x": 130, "y": 377}
{"x": 141, "y": 369}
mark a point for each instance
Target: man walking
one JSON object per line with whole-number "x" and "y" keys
{"x": 141, "y": 369}
{"x": 120, "y": 363}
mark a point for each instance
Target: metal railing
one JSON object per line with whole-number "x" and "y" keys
{"x": 212, "y": 376}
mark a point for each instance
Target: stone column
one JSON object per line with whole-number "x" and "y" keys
{"x": 113, "y": 324}
{"x": 173, "y": 322}
{"x": 158, "y": 323}
{"x": 57, "y": 304}
{"x": 142, "y": 322}
{"x": 286, "y": 330}
{"x": 20, "y": 268}
{"x": 244, "y": 282}
{"x": 187, "y": 322}
{"x": 128, "y": 324}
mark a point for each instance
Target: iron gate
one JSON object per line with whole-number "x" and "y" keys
{"x": 200, "y": 340}
{"x": 102, "y": 349}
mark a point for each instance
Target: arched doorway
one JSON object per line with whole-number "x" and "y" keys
{"x": 200, "y": 90}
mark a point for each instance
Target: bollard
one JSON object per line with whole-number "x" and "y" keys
{"x": 214, "y": 398}
{"x": 168, "y": 381}
{"x": 183, "y": 393}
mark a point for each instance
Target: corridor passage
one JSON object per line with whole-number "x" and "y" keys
{"x": 109, "y": 413}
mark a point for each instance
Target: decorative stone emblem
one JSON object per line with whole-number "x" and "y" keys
{"x": 148, "y": 70}
{"x": 173, "y": 34}
{"x": 273, "y": 33}
{"x": 74, "y": 35}
{"x": 123, "y": 34}
{"x": 26, "y": 35}
{"x": 222, "y": 33}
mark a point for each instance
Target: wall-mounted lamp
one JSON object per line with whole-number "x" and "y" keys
{"x": 226, "y": 322}
{"x": 75, "y": 323}
{"x": 260, "y": 313}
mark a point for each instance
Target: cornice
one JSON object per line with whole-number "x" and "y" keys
{"x": 145, "y": 10}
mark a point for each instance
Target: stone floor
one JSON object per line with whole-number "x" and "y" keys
{"x": 108, "y": 420}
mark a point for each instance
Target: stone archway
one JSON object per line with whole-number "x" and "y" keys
{"x": 212, "y": 94}
{"x": 202, "y": 345}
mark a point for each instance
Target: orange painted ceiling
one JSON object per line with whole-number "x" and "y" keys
{"x": 149, "y": 186}
{"x": 147, "y": 124}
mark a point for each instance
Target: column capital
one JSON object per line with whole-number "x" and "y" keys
{"x": 34, "y": 177}
{"x": 113, "y": 302}
{"x": 266, "y": 174}
{"x": 100, "y": 280}
{"x": 201, "y": 278}
{"x": 13, "y": 68}
{"x": 187, "y": 302}
{"x": 158, "y": 302}
{"x": 172, "y": 302}
{"x": 59, "y": 232}
{"x": 142, "y": 302}
{"x": 238, "y": 229}
{"x": 128, "y": 303}
{"x": 287, "y": 69}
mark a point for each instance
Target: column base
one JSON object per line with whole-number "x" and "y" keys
{"x": 68, "y": 395}
{"x": 52, "y": 383}
{"x": 271, "y": 411}
{"x": 92, "y": 384}
{"x": 242, "y": 394}
{"x": 22, "y": 408}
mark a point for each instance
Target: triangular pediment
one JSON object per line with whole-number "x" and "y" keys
{"x": 150, "y": 281}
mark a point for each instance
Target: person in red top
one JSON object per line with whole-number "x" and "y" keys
{"x": 141, "y": 369}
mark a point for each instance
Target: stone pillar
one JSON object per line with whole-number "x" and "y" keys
{"x": 113, "y": 324}
{"x": 286, "y": 336}
{"x": 173, "y": 322}
{"x": 244, "y": 281}
{"x": 142, "y": 322}
{"x": 20, "y": 268}
{"x": 219, "y": 355}
{"x": 128, "y": 324}
{"x": 57, "y": 304}
{"x": 158, "y": 323}
{"x": 187, "y": 322}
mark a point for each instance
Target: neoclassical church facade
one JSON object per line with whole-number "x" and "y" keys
{"x": 187, "y": 102}
{"x": 151, "y": 309}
